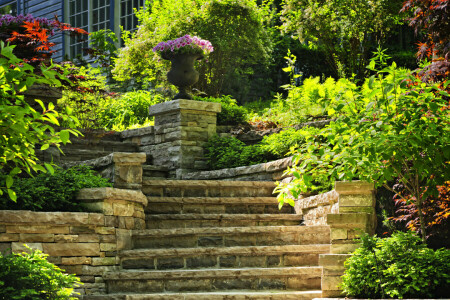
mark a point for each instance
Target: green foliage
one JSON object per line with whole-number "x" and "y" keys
{"x": 89, "y": 98}
{"x": 347, "y": 29}
{"x": 231, "y": 114}
{"x": 283, "y": 143}
{"x": 398, "y": 267}
{"x": 96, "y": 108}
{"x": 228, "y": 69}
{"x": 53, "y": 192}
{"x": 103, "y": 49}
{"x": 30, "y": 276}
{"x": 312, "y": 99}
{"x": 22, "y": 127}
{"x": 229, "y": 152}
{"x": 120, "y": 113}
{"x": 395, "y": 127}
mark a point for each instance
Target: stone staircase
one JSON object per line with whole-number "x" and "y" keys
{"x": 218, "y": 240}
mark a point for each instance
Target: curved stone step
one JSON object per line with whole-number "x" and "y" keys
{"x": 220, "y": 220}
{"x": 230, "y": 205}
{"x": 230, "y": 236}
{"x": 206, "y": 280}
{"x": 228, "y": 295}
{"x": 223, "y": 257}
{"x": 207, "y": 188}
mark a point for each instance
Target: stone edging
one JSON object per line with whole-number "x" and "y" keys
{"x": 270, "y": 170}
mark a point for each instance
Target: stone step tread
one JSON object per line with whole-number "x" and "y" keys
{"x": 228, "y": 217}
{"x": 82, "y": 151}
{"x": 231, "y": 230}
{"x": 222, "y": 295}
{"x": 155, "y": 168}
{"x": 214, "y": 273}
{"x": 214, "y": 200}
{"x": 246, "y": 250}
{"x": 208, "y": 183}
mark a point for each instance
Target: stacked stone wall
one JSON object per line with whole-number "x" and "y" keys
{"x": 85, "y": 244}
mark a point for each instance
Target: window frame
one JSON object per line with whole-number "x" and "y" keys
{"x": 114, "y": 22}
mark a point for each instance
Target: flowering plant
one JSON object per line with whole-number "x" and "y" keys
{"x": 31, "y": 35}
{"x": 184, "y": 44}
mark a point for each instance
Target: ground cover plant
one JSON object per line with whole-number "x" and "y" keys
{"x": 53, "y": 192}
{"x": 400, "y": 266}
{"x": 30, "y": 276}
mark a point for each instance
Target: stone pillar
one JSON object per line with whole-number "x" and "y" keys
{"x": 356, "y": 214}
{"x": 122, "y": 168}
{"x": 123, "y": 209}
{"x": 181, "y": 129}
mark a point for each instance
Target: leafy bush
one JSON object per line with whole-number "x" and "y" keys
{"x": 31, "y": 276}
{"x": 399, "y": 266}
{"x": 396, "y": 126}
{"x": 231, "y": 114}
{"x": 282, "y": 143}
{"x": 57, "y": 192}
{"x": 229, "y": 152}
{"x": 128, "y": 109}
{"x": 22, "y": 127}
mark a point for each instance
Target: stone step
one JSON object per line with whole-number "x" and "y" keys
{"x": 206, "y": 280}
{"x": 207, "y": 188}
{"x": 74, "y": 154}
{"x": 228, "y": 295}
{"x": 223, "y": 257}
{"x": 219, "y": 220}
{"x": 205, "y": 205}
{"x": 151, "y": 172}
{"x": 230, "y": 236}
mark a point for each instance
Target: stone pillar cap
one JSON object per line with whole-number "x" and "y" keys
{"x": 354, "y": 187}
{"x": 179, "y": 104}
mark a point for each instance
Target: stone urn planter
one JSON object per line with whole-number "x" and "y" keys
{"x": 182, "y": 73}
{"x": 183, "y": 52}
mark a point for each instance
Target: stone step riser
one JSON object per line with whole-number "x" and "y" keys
{"x": 230, "y": 240}
{"x": 179, "y": 208}
{"x": 154, "y": 174}
{"x": 167, "y": 224}
{"x": 269, "y": 295}
{"x": 208, "y": 191}
{"x": 222, "y": 261}
{"x": 299, "y": 283}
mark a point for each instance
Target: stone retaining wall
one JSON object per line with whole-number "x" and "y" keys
{"x": 84, "y": 244}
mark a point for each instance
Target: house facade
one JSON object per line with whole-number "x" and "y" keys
{"x": 90, "y": 15}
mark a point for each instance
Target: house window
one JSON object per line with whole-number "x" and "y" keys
{"x": 8, "y": 8}
{"x": 128, "y": 19}
{"x": 93, "y": 15}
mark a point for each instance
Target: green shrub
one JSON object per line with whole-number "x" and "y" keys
{"x": 128, "y": 109}
{"x": 231, "y": 114}
{"x": 31, "y": 276}
{"x": 236, "y": 57}
{"x": 407, "y": 269}
{"x": 229, "y": 152}
{"x": 282, "y": 143}
{"x": 57, "y": 192}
